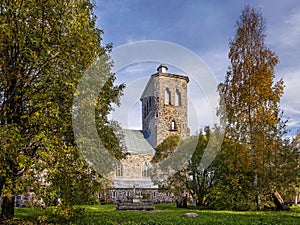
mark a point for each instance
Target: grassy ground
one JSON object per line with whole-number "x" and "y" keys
{"x": 169, "y": 214}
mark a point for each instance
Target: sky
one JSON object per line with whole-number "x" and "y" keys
{"x": 205, "y": 29}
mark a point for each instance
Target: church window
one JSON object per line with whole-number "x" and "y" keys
{"x": 150, "y": 101}
{"x": 167, "y": 97}
{"x": 173, "y": 125}
{"x": 177, "y": 98}
{"x": 119, "y": 170}
{"x": 147, "y": 107}
{"x": 145, "y": 171}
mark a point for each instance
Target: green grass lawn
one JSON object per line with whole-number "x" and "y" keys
{"x": 169, "y": 214}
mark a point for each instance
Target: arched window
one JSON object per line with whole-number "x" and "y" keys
{"x": 145, "y": 172}
{"x": 177, "y": 98}
{"x": 119, "y": 170}
{"x": 167, "y": 97}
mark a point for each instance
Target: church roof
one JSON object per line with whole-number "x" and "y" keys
{"x": 130, "y": 183}
{"x": 138, "y": 142}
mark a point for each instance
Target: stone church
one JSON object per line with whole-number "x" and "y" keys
{"x": 164, "y": 113}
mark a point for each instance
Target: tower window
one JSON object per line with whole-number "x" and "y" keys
{"x": 173, "y": 125}
{"x": 145, "y": 172}
{"x": 119, "y": 170}
{"x": 177, "y": 98}
{"x": 167, "y": 97}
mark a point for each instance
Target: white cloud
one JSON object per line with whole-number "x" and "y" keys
{"x": 287, "y": 33}
{"x": 291, "y": 100}
{"x": 291, "y": 37}
{"x": 217, "y": 61}
{"x": 292, "y": 83}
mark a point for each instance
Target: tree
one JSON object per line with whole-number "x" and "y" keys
{"x": 232, "y": 178}
{"x": 297, "y": 181}
{"x": 191, "y": 178}
{"x": 199, "y": 181}
{"x": 168, "y": 146}
{"x": 252, "y": 97}
{"x": 45, "y": 48}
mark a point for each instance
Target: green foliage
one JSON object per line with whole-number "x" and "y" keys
{"x": 199, "y": 180}
{"x": 71, "y": 186}
{"x": 166, "y": 147}
{"x": 233, "y": 179}
{"x": 62, "y": 215}
{"x": 45, "y": 48}
{"x": 12, "y": 160}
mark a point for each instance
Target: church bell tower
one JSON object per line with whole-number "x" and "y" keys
{"x": 164, "y": 105}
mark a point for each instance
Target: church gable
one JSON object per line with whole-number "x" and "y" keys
{"x": 134, "y": 169}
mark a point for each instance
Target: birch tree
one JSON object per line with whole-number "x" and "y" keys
{"x": 252, "y": 95}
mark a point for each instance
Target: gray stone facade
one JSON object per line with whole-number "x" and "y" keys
{"x": 132, "y": 174}
{"x": 26, "y": 200}
{"x": 154, "y": 194}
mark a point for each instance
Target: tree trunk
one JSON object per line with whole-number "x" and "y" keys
{"x": 184, "y": 202}
{"x": 254, "y": 160}
{"x": 257, "y": 197}
{"x": 8, "y": 207}
{"x": 278, "y": 201}
{"x": 1, "y": 185}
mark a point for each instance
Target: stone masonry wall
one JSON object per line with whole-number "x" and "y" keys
{"x": 132, "y": 166}
{"x": 116, "y": 195}
{"x": 170, "y": 112}
{"x": 157, "y": 116}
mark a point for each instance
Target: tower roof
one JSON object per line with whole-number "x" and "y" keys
{"x": 162, "y": 68}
